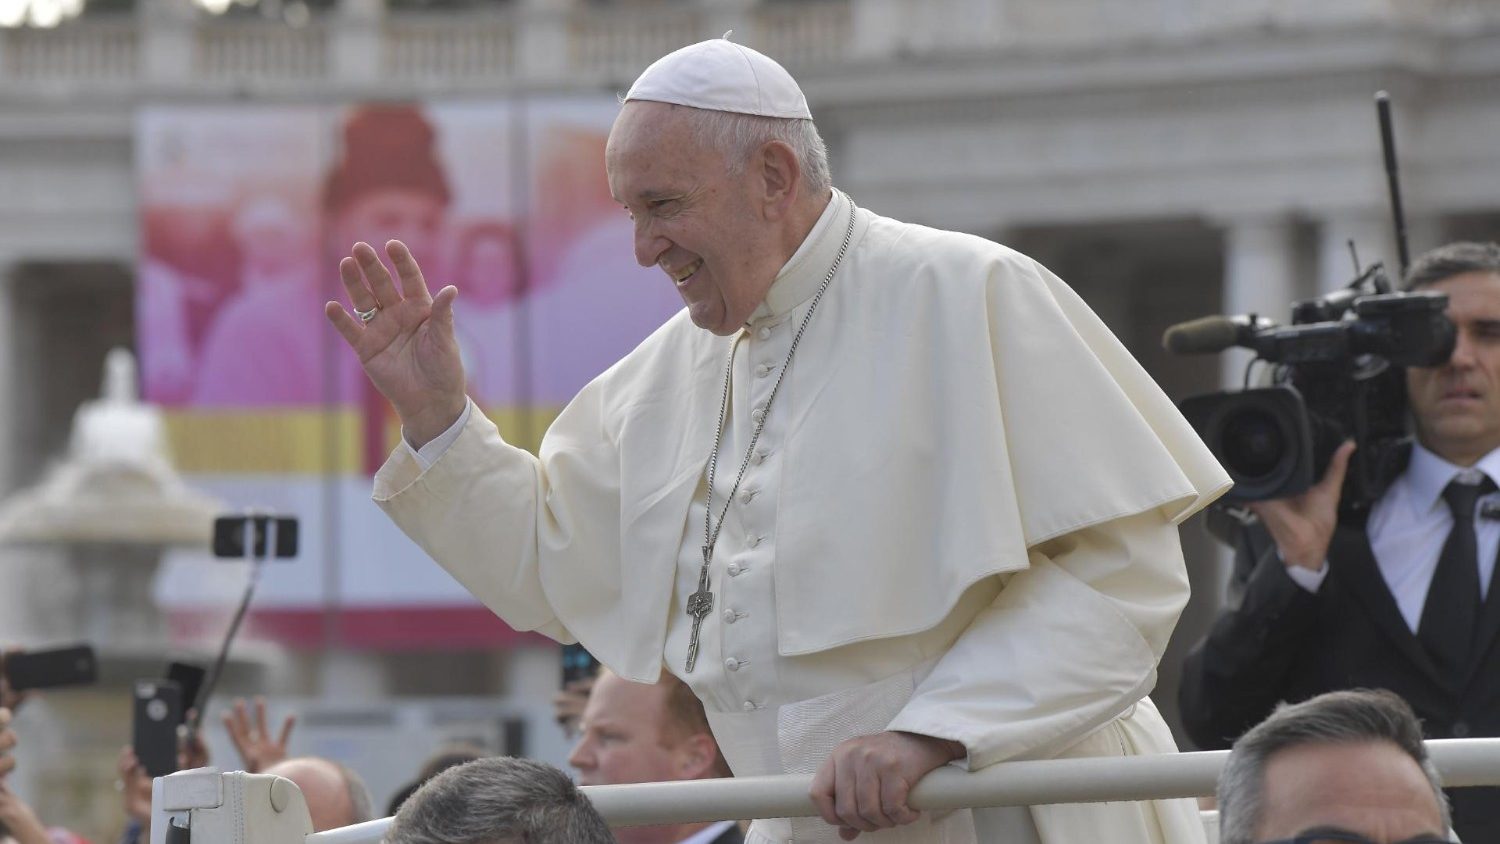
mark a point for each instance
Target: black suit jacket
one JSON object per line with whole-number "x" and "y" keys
{"x": 1283, "y": 643}
{"x": 731, "y": 835}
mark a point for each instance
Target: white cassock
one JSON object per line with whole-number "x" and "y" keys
{"x": 959, "y": 521}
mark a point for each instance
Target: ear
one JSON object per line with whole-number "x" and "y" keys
{"x": 781, "y": 175}
{"x": 696, "y": 756}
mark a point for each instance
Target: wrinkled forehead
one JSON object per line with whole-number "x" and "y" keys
{"x": 651, "y": 137}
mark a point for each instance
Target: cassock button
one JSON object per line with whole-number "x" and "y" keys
{"x": 764, "y": 333}
{"x": 732, "y": 664}
{"x": 759, "y": 456}
{"x": 763, "y": 370}
{"x": 758, "y": 414}
{"x": 756, "y": 541}
{"x": 734, "y": 569}
{"x": 748, "y": 495}
{"x": 730, "y": 616}
{"x": 749, "y": 706}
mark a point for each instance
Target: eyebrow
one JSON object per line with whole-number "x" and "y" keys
{"x": 1339, "y": 830}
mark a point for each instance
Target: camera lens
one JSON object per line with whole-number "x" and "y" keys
{"x": 1254, "y": 444}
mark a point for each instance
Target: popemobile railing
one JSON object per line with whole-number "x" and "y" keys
{"x": 207, "y": 807}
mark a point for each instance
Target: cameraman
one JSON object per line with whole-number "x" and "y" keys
{"x": 1402, "y": 602}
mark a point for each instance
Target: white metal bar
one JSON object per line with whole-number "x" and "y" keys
{"x": 1462, "y": 762}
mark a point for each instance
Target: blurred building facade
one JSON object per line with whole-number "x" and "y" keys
{"x": 1168, "y": 158}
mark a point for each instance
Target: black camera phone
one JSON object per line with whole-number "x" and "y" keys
{"x": 74, "y": 665}
{"x": 158, "y": 712}
{"x": 189, "y": 678}
{"x": 229, "y": 536}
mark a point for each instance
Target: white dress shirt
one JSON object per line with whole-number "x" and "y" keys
{"x": 1409, "y": 525}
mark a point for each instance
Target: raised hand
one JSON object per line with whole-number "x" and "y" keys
{"x": 134, "y": 785}
{"x": 407, "y": 346}
{"x": 257, "y": 748}
{"x": 1303, "y": 525}
{"x": 7, "y": 742}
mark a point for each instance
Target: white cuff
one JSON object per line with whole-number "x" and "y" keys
{"x": 1306, "y": 578}
{"x": 433, "y": 451}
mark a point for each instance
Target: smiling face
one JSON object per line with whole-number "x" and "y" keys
{"x": 1457, "y": 405}
{"x": 715, "y": 236}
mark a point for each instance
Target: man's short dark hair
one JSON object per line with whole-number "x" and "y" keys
{"x": 1347, "y": 717}
{"x": 497, "y": 799}
{"x": 1450, "y": 260}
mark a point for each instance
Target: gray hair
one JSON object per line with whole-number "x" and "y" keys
{"x": 496, "y": 799}
{"x": 738, "y": 136}
{"x": 1452, "y": 259}
{"x": 1346, "y": 717}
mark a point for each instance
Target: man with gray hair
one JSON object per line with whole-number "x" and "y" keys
{"x": 886, "y": 498}
{"x": 499, "y": 800}
{"x": 1342, "y": 767}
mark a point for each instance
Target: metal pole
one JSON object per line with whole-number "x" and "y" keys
{"x": 1461, "y": 762}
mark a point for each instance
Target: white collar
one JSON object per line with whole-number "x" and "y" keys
{"x": 1427, "y": 475}
{"x": 802, "y": 274}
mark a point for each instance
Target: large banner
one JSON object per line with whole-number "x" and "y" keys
{"x": 246, "y": 212}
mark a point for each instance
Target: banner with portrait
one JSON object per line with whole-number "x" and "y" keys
{"x": 245, "y": 213}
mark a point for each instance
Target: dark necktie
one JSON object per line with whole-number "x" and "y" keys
{"x": 1451, "y": 614}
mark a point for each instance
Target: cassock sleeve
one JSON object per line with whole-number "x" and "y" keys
{"x": 1068, "y": 644}
{"x": 490, "y": 513}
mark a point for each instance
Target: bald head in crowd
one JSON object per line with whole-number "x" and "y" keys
{"x": 335, "y": 795}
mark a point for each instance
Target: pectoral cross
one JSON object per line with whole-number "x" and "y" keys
{"x": 699, "y": 605}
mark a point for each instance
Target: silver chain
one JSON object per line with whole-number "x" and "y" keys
{"x": 710, "y": 531}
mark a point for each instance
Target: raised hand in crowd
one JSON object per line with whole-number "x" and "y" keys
{"x": 7, "y": 741}
{"x": 134, "y": 785}
{"x": 252, "y": 738}
{"x": 568, "y": 704}
{"x": 1302, "y": 525}
{"x": 404, "y": 338}
{"x": 9, "y": 698}
{"x": 18, "y": 817}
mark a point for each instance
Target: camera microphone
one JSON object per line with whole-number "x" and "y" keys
{"x": 1211, "y": 334}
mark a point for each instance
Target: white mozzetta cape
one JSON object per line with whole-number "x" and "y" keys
{"x": 955, "y": 405}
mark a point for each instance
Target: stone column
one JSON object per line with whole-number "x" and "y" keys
{"x": 355, "y": 41}
{"x": 167, "y": 40}
{"x": 720, "y": 16}
{"x": 13, "y": 611}
{"x": 541, "y": 41}
{"x": 879, "y": 27}
{"x": 1374, "y": 239}
{"x": 1260, "y": 277}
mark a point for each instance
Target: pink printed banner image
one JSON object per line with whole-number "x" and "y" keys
{"x": 245, "y": 213}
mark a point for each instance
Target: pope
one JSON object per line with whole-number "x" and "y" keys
{"x": 886, "y": 497}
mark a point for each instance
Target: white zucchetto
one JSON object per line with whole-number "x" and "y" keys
{"x": 720, "y": 75}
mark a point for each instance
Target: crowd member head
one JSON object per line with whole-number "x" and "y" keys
{"x": 1457, "y": 405}
{"x": 720, "y": 199}
{"x": 336, "y": 796}
{"x": 448, "y": 757}
{"x": 1346, "y": 763}
{"x": 500, "y": 800}
{"x": 638, "y": 732}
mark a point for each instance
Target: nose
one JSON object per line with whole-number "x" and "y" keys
{"x": 649, "y": 247}
{"x": 1463, "y": 350}
{"x": 582, "y": 757}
